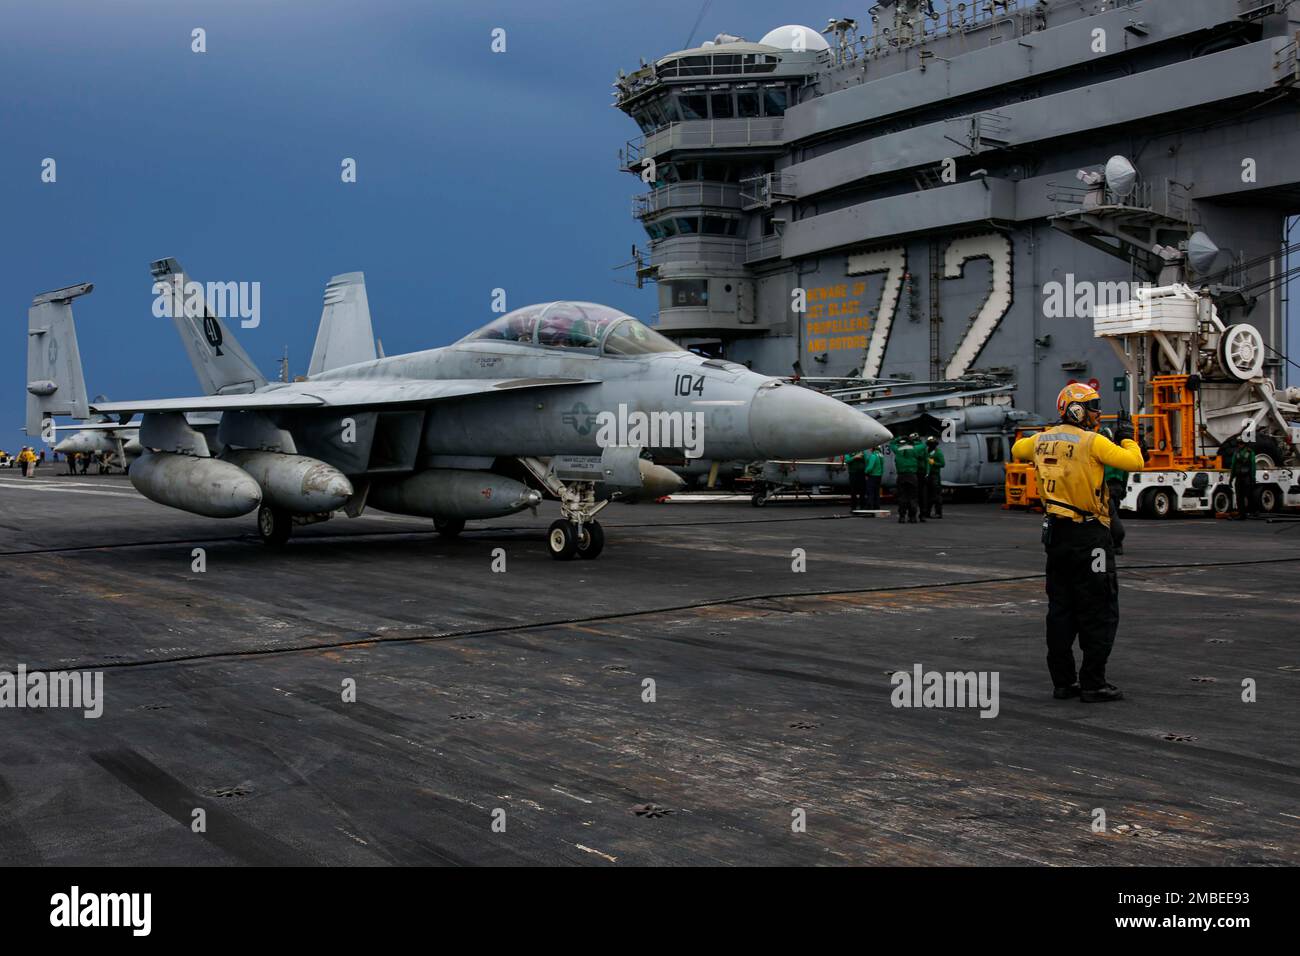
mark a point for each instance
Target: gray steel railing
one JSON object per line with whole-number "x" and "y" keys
{"x": 701, "y": 134}
{"x": 726, "y": 195}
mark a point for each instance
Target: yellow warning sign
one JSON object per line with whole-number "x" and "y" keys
{"x": 835, "y": 318}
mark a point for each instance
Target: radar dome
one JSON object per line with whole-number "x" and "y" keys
{"x": 796, "y": 38}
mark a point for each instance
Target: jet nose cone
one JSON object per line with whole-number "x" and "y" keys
{"x": 65, "y": 446}
{"x": 790, "y": 421}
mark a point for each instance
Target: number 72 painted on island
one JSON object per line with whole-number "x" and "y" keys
{"x": 993, "y": 246}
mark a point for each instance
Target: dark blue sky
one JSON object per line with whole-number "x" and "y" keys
{"x": 475, "y": 170}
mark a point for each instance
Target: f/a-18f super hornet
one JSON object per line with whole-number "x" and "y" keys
{"x": 560, "y": 397}
{"x": 109, "y": 441}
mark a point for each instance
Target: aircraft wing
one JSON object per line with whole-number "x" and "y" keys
{"x": 96, "y": 427}
{"x": 336, "y": 394}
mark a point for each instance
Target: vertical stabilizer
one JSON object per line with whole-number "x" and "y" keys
{"x": 345, "y": 336}
{"x": 220, "y": 362}
{"x": 55, "y": 383}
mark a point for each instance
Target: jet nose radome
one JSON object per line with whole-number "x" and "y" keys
{"x": 790, "y": 421}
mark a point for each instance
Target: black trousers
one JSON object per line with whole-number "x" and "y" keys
{"x": 906, "y": 493}
{"x": 1243, "y": 489}
{"x": 857, "y": 489}
{"x": 873, "y": 492}
{"x": 933, "y": 494}
{"x": 923, "y": 494}
{"x": 1082, "y": 601}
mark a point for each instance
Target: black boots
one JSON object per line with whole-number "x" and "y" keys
{"x": 1099, "y": 695}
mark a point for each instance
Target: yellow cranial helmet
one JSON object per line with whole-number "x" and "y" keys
{"x": 1079, "y": 404}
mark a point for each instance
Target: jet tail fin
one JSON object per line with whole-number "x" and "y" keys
{"x": 345, "y": 336}
{"x": 55, "y": 383}
{"x": 220, "y": 362}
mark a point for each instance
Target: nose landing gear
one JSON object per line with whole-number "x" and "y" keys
{"x": 566, "y": 539}
{"x": 577, "y": 533}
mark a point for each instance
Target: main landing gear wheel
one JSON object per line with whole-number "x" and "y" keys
{"x": 562, "y": 540}
{"x": 592, "y": 540}
{"x": 274, "y": 525}
{"x": 448, "y": 527}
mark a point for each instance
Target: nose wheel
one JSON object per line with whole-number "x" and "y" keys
{"x": 577, "y": 533}
{"x": 565, "y": 540}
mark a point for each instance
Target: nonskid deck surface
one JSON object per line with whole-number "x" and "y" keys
{"x": 524, "y": 691}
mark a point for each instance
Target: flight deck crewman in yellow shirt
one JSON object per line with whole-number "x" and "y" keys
{"x": 1082, "y": 586}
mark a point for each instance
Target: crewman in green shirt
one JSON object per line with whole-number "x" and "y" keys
{"x": 875, "y": 470}
{"x": 934, "y": 479}
{"x": 905, "y": 464}
{"x": 922, "y": 476}
{"x": 1243, "y": 480}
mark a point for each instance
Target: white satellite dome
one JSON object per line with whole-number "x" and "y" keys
{"x": 794, "y": 37}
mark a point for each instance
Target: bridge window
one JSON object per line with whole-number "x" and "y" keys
{"x": 774, "y": 100}
{"x": 722, "y": 106}
{"x": 747, "y": 101}
{"x": 720, "y": 226}
{"x": 694, "y": 106}
{"x": 694, "y": 66}
{"x": 684, "y": 294}
{"x": 716, "y": 172}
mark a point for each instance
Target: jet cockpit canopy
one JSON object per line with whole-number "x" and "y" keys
{"x": 575, "y": 325}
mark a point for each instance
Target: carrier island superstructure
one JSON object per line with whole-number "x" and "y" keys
{"x": 954, "y": 186}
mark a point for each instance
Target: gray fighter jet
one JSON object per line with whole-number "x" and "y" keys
{"x": 111, "y": 443}
{"x": 559, "y": 397}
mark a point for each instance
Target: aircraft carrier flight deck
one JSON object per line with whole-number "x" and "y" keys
{"x": 679, "y": 701}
